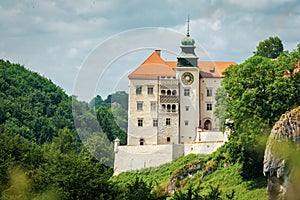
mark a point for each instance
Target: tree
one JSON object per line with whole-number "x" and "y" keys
{"x": 120, "y": 97}
{"x": 109, "y": 126}
{"x": 269, "y": 48}
{"x": 220, "y": 110}
{"x": 255, "y": 94}
{"x": 74, "y": 175}
{"x": 97, "y": 101}
{"x": 139, "y": 190}
{"x": 121, "y": 117}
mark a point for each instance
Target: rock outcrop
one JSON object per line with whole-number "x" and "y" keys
{"x": 186, "y": 172}
{"x": 282, "y": 158}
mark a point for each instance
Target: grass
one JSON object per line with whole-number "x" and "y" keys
{"x": 227, "y": 178}
{"x": 156, "y": 175}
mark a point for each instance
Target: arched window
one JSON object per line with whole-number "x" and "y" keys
{"x": 169, "y": 92}
{"x": 207, "y": 124}
{"x": 168, "y": 108}
{"x": 163, "y": 106}
{"x": 163, "y": 92}
{"x": 173, "y": 108}
{"x": 174, "y": 92}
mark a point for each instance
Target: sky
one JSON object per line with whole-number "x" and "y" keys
{"x": 88, "y": 47}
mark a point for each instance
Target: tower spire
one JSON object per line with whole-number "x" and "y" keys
{"x": 188, "y": 26}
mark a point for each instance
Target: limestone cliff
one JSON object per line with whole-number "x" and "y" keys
{"x": 281, "y": 159}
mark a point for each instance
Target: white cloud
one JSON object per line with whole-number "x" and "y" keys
{"x": 72, "y": 52}
{"x": 53, "y": 37}
{"x": 257, "y": 5}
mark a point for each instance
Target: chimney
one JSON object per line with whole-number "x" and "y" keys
{"x": 158, "y": 52}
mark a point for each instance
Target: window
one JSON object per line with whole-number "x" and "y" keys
{"x": 168, "y": 121}
{"x": 186, "y": 123}
{"x": 142, "y": 141}
{"x": 186, "y": 92}
{"x": 209, "y": 92}
{"x": 168, "y": 139}
{"x": 174, "y": 92}
{"x": 187, "y": 108}
{"x": 168, "y": 108}
{"x": 163, "y": 92}
{"x": 140, "y": 122}
{"x": 173, "y": 108}
{"x": 209, "y": 106}
{"x": 155, "y": 122}
{"x": 138, "y": 90}
{"x": 139, "y": 105}
{"x": 150, "y": 90}
{"x": 153, "y": 106}
{"x": 169, "y": 92}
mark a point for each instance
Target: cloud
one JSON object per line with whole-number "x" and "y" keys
{"x": 55, "y": 37}
{"x": 260, "y": 4}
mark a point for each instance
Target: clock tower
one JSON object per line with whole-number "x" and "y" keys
{"x": 187, "y": 72}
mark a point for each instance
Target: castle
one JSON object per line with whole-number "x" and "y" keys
{"x": 170, "y": 111}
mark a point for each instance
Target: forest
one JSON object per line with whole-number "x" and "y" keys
{"x": 42, "y": 153}
{"x": 54, "y": 146}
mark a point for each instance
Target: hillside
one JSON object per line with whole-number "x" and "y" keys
{"x": 188, "y": 171}
{"x": 31, "y": 105}
{"x": 41, "y": 153}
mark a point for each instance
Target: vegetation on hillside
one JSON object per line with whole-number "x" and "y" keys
{"x": 41, "y": 154}
{"x": 253, "y": 96}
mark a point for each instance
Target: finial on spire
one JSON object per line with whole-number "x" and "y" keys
{"x": 188, "y": 26}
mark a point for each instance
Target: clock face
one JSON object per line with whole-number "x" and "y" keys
{"x": 187, "y": 78}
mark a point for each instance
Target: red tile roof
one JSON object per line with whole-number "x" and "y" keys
{"x": 211, "y": 69}
{"x": 155, "y": 66}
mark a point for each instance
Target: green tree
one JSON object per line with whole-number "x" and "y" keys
{"x": 97, "y": 102}
{"x": 120, "y": 97}
{"x": 109, "y": 126}
{"x": 221, "y": 107}
{"x": 73, "y": 175}
{"x": 121, "y": 117}
{"x": 139, "y": 190}
{"x": 101, "y": 148}
{"x": 257, "y": 92}
{"x": 269, "y": 48}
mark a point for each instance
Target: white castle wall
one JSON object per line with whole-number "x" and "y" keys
{"x": 147, "y": 131}
{"x": 137, "y": 157}
{"x": 208, "y": 142}
{"x": 213, "y": 84}
{"x": 202, "y": 148}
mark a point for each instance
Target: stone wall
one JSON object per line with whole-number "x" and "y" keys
{"x": 202, "y": 148}
{"x": 147, "y": 132}
{"x": 209, "y": 142}
{"x": 213, "y": 84}
{"x": 137, "y": 157}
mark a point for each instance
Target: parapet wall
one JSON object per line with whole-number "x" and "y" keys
{"x": 137, "y": 157}
{"x": 202, "y": 148}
